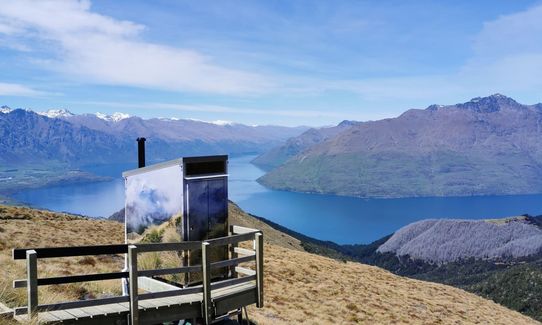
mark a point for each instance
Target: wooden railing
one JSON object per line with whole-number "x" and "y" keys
{"x": 238, "y": 256}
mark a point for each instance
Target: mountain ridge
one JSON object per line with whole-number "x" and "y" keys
{"x": 73, "y": 139}
{"x": 296, "y": 145}
{"x": 487, "y": 146}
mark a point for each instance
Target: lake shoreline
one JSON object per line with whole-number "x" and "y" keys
{"x": 390, "y": 197}
{"x": 340, "y": 219}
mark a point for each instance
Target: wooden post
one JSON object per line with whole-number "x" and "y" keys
{"x": 132, "y": 269}
{"x": 32, "y": 281}
{"x": 232, "y": 253}
{"x": 258, "y": 238}
{"x": 206, "y": 267}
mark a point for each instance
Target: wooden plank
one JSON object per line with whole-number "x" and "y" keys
{"x": 231, "y": 239}
{"x": 171, "y": 293}
{"x": 75, "y": 304}
{"x": 170, "y": 314}
{"x": 205, "y": 261}
{"x": 132, "y": 268}
{"x": 244, "y": 251}
{"x": 162, "y": 247}
{"x": 231, "y": 282}
{"x": 46, "y": 317}
{"x": 150, "y": 303}
{"x": 17, "y": 311}
{"x": 153, "y": 285}
{"x": 73, "y": 279}
{"x": 242, "y": 230}
{"x": 78, "y": 313}
{"x": 233, "y": 261}
{"x": 96, "y": 311}
{"x": 184, "y": 269}
{"x": 123, "y": 307}
{"x": 49, "y": 252}
{"x": 146, "y": 304}
{"x": 235, "y": 300}
{"x": 231, "y": 289}
{"x": 119, "y": 319}
{"x": 232, "y": 248}
{"x": 244, "y": 271}
{"x": 62, "y": 315}
{"x": 259, "y": 268}
{"x": 113, "y": 309}
{"x": 32, "y": 280}
{"x": 5, "y": 311}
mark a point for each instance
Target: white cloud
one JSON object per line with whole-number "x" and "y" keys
{"x": 100, "y": 49}
{"x": 10, "y": 89}
{"x": 512, "y": 34}
{"x": 94, "y": 48}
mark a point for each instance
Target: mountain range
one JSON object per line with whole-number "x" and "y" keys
{"x": 59, "y": 135}
{"x": 486, "y": 146}
{"x": 296, "y": 145}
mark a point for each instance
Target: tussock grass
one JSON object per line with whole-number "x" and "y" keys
{"x": 24, "y": 227}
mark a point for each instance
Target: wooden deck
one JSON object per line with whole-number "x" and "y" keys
{"x": 209, "y": 301}
{"x": 153, "y": 311}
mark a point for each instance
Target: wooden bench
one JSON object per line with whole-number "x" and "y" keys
{"x": 208, "y": 301}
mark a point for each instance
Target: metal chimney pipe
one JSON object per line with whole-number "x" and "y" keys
{"x": 141, "y": 152}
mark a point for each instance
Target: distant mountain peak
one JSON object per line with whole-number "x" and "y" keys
{"x": 5, "y": 109}
{"x": 56, "y": 113}
{"x": 493, "y": 98}
{"x": 115, "y": 117}
{"x": 488, "y": 104}
{"x": 348, "y": 123}
{"x": 222, "y": 122}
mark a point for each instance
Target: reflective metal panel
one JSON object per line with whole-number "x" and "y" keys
{"x": 198, "y": 209}
{"x": 207, "y": 207}
{"x": 153, "y": 198}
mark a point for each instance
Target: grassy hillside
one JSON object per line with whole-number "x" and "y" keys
{"x": 299, "y": 287}
{"x": 296, "y": 145}
{"x": 487, "y": 146}
{"x": 513, "y": 280}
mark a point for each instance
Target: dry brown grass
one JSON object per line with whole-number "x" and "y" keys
{"x": 304, "y": 288}
{"x": 300, "y": 288}
{"x": 272, "y": 236}
{"x": 23, "y": 227}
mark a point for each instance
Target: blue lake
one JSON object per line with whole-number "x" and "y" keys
{"x": 343, "y": 220}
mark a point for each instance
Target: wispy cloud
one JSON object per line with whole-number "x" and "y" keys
{"x": 11, "y": 89}
{"x": 507, "y": 58}
{"x": 103, "y": 50}
{"x": 213, "y": 109}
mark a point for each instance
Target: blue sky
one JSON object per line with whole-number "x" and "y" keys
{"x": 266, "y": 62}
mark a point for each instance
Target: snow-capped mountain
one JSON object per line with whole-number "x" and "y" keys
{"x": 115, "y": 117}
{"x": 56, "y": 113}
{"x": 100, "y": 138}
{"x": 5, "y": 109}
{"x": 222, "y": 122}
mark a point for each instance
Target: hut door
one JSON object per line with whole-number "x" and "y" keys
{"x": 198, "y": 210}
{"x": 207, "y": 208}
